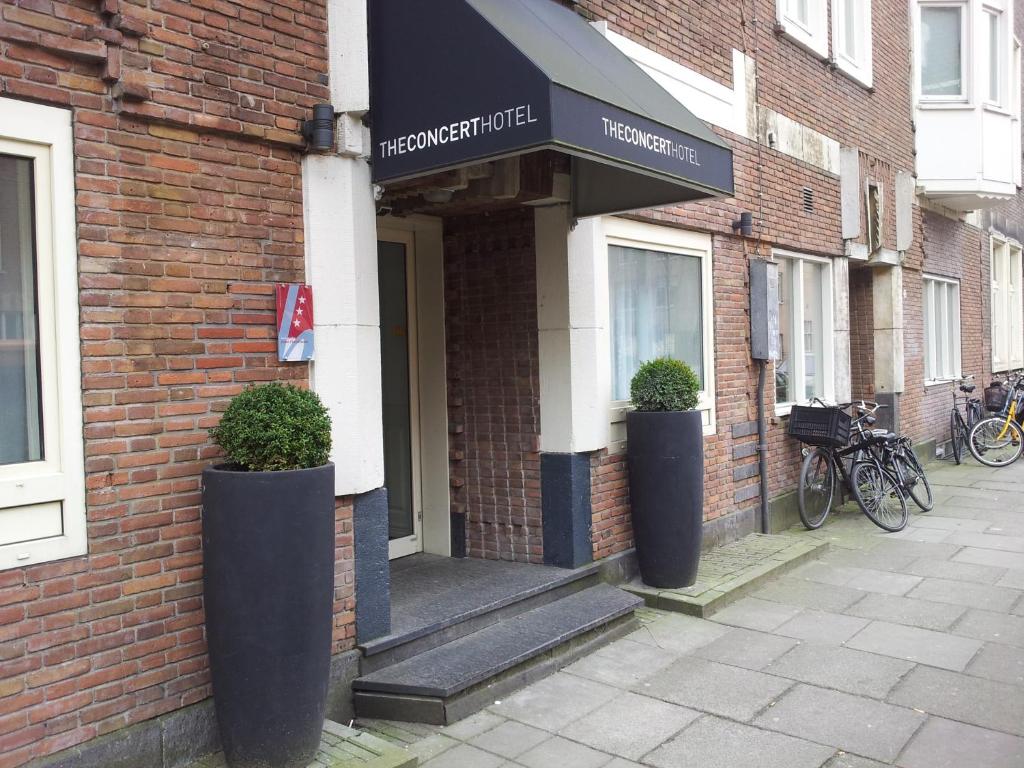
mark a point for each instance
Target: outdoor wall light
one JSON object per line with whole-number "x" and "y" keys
{"x": 744, "y": 224}
{"x": 319, "y": 132}
{"x": 438, "y": 195}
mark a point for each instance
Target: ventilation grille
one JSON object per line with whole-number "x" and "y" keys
{"x": 808, "y": 195}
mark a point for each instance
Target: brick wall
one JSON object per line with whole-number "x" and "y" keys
{"x": 189, "y": 208}
{"x": 494, "y": 383}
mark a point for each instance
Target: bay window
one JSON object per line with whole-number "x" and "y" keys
{"x": 1007, "y": 310}
{"x": 805, "y": 368}
{"x": 943, "y": 51}
{"x": 42, "y": 484}
{"x": 660, "y": 305}
{"x": 941, "y": 310}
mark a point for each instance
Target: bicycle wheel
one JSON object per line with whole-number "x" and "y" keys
{"x": 956, "y": 436}
{"x": 996, "y": 442}
{"x": 879, "y": 496}
{"x": 918, "y": 487}
{"x": 817, "y": 487}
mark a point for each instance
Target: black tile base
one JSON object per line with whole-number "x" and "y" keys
{"x": 565, "y": 506}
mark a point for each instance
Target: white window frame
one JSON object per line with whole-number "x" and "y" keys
{"x": 52, "y": 489}
{"x": 1007, "y": 275}
{"x": 1002, "y": 57}
{"x": 635, "y": 234}
{"x": 941, "y": 329}
{"x": 856, "y": 65}
{"x": 796, "y": 262}
{"x": 966, "y": 52}
{"x": 812, "y": 34}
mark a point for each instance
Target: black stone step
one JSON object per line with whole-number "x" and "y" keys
{"x": 441, "y": 600}
{"x": 449, "y": 682}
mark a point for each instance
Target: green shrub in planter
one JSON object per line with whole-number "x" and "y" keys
{"x": 664, "y": 384}
{"x": 275, "y": 427}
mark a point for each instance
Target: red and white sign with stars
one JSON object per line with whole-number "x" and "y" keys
{"x": 294, "y": 323}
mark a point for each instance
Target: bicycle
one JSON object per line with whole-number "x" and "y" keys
{"x": 958, "y": 428}
{"x": 998, "y": 441}
{"x": 878, "y": 493}
{"x": 897, "y": 455}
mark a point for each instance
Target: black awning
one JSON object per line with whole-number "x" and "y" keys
{"x": 455, "y": 82}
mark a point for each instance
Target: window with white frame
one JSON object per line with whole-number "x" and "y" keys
{"x": 659, "y": 304}
{"x": 1007, "y": 309}
{"x": 944, "y": 46}
{"x": 941, "y": 309}
{"x": 42, "y": 483}
{"x": 805, "y": 368}
{"x": 805, "y": 21}
{"x": 851, "y": 38}
{"x": 996, "y": 55}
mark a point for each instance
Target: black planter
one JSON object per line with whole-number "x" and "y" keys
{"x": 268, "y": 586}
{"x": 666, "y": 494}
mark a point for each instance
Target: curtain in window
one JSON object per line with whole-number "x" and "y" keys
{"x": 20, "y": 416}
{"x": 656, "y": 311}
{"x": 941, "y": 51}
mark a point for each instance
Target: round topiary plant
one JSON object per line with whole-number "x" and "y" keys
{"x": 275, "y": 427}
{"x": 664, "y": 384}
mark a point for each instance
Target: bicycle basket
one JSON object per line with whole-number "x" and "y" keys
{"x": 829, "y": 427}
{"x": 995, "y": 397}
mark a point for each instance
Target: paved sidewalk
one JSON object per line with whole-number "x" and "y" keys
{"x": 892, "y": 649}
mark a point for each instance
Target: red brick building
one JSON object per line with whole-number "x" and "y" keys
{"x": 475, "y": 331}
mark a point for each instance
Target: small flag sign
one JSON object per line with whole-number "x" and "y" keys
{"x": 294, "y": 323}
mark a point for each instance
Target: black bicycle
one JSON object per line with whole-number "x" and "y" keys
{"x": 959, "y": 429}
{"x": 845, "y": 450}
{"x": 898, "y": 457}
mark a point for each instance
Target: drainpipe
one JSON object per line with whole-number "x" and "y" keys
{"x": 762, "y": 444}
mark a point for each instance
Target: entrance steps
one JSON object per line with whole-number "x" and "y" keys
{"x": 515, "y": 627}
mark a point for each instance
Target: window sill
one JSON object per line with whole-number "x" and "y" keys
{"x": 995, "y": 109}
{"x": 853, "y": 74}
{"x": 940, "y": 104}
{"x": 796, "y": 35}
{"x": 932, "y": 383}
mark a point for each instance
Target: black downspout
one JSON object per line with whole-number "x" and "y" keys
{"x": 762, "y": 445}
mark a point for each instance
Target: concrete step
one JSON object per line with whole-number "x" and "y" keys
{"x": 449, "y": 682}
{"x": 727, "y": 573}
{"x": 501, "y": 592}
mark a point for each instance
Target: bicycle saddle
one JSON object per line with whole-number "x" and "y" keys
{"x": 885, "y": 434}
{"x": 968, "y": 388}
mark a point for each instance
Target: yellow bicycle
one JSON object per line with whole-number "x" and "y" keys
{"x": 999, "y": 440}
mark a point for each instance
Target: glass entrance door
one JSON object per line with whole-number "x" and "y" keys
{"x": 398, "y": 389}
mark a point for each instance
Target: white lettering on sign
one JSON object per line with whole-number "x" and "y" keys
{"x": 629, "y": 134}
{"x": 513, "y": 117}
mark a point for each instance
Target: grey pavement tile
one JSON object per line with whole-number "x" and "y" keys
{"x": 465, "y": 756}
{"x": 949, "y": 569}
{"x": 472, "y": 725}
{"x": 621, "y": 762}
{"x": 554, "y": 702}
{"x": 947, "y": 744}
{"x": 987, "y": 541}
{"x": 717, "y": 688}
{"x": 678, "y": 633}
{"x": 884, "y": 582}
{"x": 622, "y": 664}
{"x": 879, "y": 562}
{"x": 808, "y": 594}
{"x": 822, "y": 626}
{"x": 630, "y": 726}
{"x": 432, "y": 746}
{"x": 844, "y": 669}
{"x": 824, "y": 573}
{"x": 715, "y": 743}
{"x": 913, "y": 533}
{"x": 992, "y": 627}
{"x": 952, "y": 523}
{"x": 562, "y": 753}
{"x": 999, "y": 662}
{"x": 985, "y": 703}
{"x": 845, "y": 760}
{"x": 897, "y": 548}
{"x": 992, "y": 557}
{"x": 1013, "y": 579}
{"x": 746, "y": 648}
{"x": 510, "y": 739}
{"x": 915, "y": 644}
{"x": 752, "y": 613}
{"x": 852, "y": 723}
{"x": 907, "y": 610}
{"x": 985, "y": 596}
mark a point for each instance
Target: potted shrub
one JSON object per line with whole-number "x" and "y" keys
{"x": 665, "y": 448}
{"x": 268, "y": 575}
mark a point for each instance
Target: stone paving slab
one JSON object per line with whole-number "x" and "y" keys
{"x": 948, "y": 744}
{"x": 343, "y": 747}
{"x": 729, "y": 572}
{"x": 985, "y": 703}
